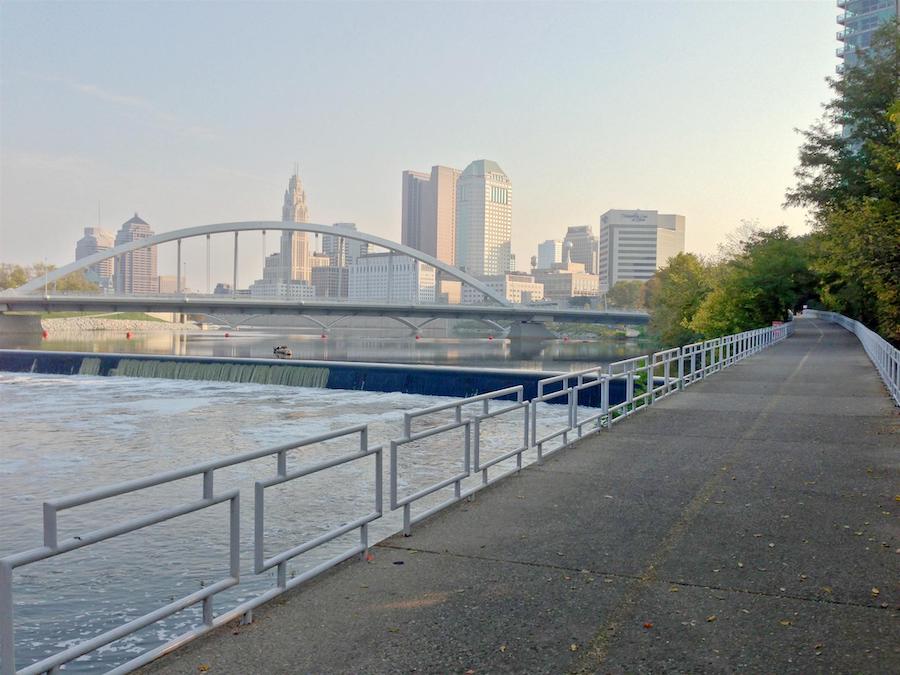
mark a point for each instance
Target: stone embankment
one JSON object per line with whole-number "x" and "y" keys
{"x": 77, "y": 324}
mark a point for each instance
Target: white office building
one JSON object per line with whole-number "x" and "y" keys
{"x": 516, "y": 288}
{"x": 549, "y": 254}
{"x": 635, "y": 243}
{"x": 484, "y": 219}
{"x": 283, "y": 290}
{"x": 391, "y": 278}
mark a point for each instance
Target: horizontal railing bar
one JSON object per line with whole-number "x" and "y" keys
{"x": 496, "y": 413}
{"x": 316, "y": 468}
{"x": 434, "y": 509}
{"x": 127, "y": 628}
{"x": 96, "y": 536}
{"x": 502, "y": 458}
{"x": 409, "y": 499}
{"x": 412, "y": 414}
{"x": 434, "y": 431}
{"x": 284, "y": 556}
{"x": 179, "y": 474}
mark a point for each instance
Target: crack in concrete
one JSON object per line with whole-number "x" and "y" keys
{"x": 631, "y": 577}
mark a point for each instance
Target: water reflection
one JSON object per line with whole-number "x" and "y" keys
{"x": 346, "y": 345}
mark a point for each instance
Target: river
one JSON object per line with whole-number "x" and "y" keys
{"x": 65, "y": 435}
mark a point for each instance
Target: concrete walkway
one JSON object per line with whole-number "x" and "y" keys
{"x": 747, "y": 523}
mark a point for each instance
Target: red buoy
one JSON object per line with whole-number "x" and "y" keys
{"x": 227, "y": 334}
{"x": 128, "y": 335}
{"x": 490, "y": 337}
{"x": 418, "y": 337}
{"x": 323, "y": 336}
{"x": 45, "y": 334}
{"x": 565, "y": 338}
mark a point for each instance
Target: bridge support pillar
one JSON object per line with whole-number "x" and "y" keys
{"x": 530, "y": 330}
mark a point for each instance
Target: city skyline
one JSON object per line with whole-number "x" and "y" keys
{"x": 595, "y": 125}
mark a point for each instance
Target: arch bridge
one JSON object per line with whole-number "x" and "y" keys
{"x": 24, "y": 298}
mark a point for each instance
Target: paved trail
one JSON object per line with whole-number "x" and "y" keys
{"x": 747, "y": 523}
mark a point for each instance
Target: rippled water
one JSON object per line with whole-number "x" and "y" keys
{"x": 65, "y": 435}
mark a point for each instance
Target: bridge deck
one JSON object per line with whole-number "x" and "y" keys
{"x": 751, "y": 520}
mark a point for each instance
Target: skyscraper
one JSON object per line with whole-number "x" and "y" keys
{"x": 861, "y": 18}
{"x": 483, "y": 219}
{"x": 549, "y": 254}
{"x": 582, "y": 245}
{"x": 343, "y": 251}
{"x": 634, "y": 244}
{"x": 429, "y": 212}
{"x": 135, "y": 272}
{"x": 96, "y": 239}
{"x": 294, "y": 248}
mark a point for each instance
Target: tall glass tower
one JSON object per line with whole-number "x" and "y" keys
{"x": 861, "y": 18}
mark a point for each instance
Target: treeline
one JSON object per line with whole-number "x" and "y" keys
{"x": 756, "y": 279}
{"x": 849, "y": 178}
{"x": 13, "y": 276}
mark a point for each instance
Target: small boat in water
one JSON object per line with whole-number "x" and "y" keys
{"x": 282, "y": 352}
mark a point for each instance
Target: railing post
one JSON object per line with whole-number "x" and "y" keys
{"x": 604, "y": 401}
{"x": 7, "y": 628}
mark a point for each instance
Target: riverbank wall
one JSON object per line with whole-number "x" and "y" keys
{"x": 457, "y": 382}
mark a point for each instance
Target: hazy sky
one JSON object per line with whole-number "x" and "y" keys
{"x": 195, "y": 112}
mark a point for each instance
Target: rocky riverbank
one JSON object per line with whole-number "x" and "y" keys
{"x": 77, "y": 324}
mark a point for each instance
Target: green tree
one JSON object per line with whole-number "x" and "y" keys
{"x": 839, "y": 150}
{"x": 13, "y": 276}
{"x": 626, "y": 293}
{"x": 849, "y": 175}
{"x": 769, "y": 275}
{"x": 672, "y": 296}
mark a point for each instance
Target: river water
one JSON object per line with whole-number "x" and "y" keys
{"x": 348, "y": 345}
{"x": 64, "y": 435}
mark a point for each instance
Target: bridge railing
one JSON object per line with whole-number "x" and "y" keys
{"x": 638, "y": 383}
{"x": 884, "y": 356}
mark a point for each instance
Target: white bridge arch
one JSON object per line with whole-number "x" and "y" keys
{"x": 260, "y": 225}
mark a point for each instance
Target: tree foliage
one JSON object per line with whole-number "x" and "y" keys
{"x": 13, "y": 276}
{"x": 761, "y": 275}
{"x": 769, "y": 275}
{"x": 626, "y": 294}
{"x": 849, "y": 175}
{"x": 672, "y": 296}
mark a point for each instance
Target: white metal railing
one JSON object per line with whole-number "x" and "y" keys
{"x": 53, "y": 547}
{"x": 626, "y": 387}
{"x": 884, "y": 356}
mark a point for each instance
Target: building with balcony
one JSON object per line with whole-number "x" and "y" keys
{"x": 859, "y": 21}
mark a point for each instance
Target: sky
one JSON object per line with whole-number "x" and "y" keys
{"x": 193, "y": 113}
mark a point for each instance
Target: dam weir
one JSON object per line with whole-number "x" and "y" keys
{"x": 459, "y": 382}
